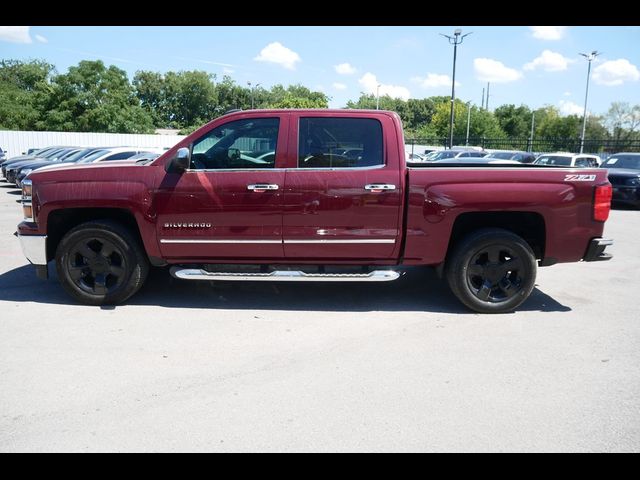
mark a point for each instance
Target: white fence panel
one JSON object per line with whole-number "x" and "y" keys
{"x": 14, "y": 142}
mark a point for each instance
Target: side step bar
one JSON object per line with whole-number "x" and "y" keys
{"x": 285, "y": 276}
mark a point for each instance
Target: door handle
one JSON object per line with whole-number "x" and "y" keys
{"x": 262, "y": 187}
{"x": 379, "y": 187}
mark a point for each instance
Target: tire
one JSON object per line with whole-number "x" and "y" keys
{"x": 101, "y": 263}
{"x": 492, "y": 271}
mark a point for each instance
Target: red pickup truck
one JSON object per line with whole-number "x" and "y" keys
{"x": 310, "y": 195}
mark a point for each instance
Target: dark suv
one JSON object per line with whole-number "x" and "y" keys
{"x": 624, "y": 175}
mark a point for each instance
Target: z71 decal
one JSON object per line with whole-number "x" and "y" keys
{"x": 579, "y": 178}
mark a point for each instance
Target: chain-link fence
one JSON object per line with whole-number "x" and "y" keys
{"x": 537, "y": 145}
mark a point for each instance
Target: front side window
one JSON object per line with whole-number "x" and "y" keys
{"x": 249, "y": 143}
{"x": 339, "y": 143}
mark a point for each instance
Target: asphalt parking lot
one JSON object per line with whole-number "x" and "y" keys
{"x": 322, "y": 367}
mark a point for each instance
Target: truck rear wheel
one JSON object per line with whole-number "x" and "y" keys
{"x": 101, "y": 262}
{"x": 492, "y": 271}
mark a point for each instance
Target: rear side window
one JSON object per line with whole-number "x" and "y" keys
{"x": 339, "y": 143}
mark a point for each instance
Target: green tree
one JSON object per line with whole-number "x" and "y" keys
{"x": 514, "y": 121}
{"x": 24, "y": 87}
{"x": 623, "y": 121}
{"x": 94, "y": 98}
{"x": 295, "y": 96}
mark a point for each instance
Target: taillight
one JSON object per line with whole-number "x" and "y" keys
{"x": 602, "y": 203}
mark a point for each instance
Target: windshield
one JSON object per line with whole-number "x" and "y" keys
{"x": 442, "y": 154}
{"x": 74, "y": 157}
{"x": 502, "y": 155}
{"x": 623, "y": 161}
{"x": 553, "y": 160}
{"x": 93, "y": 156}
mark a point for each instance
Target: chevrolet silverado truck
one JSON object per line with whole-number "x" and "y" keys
{"x": 310, "y": 195}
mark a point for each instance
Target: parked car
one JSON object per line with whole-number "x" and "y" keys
{"x": 519, "y": 156}
{"x": 202, "y": 206}
{"x": 568, "y": 160}
{"x": 11, "y": 168}
{"x": 470, "y": 161}
{"x": 3, "y": 155}
{"x": 415, "y": 157}
{"x": 118, "y": 153}
{"x": 69, "y": 158}
{"x": 454, "y": 153}
{"x": 624, "y": 175}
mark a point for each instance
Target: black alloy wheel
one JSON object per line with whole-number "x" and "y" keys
{"x": 101, "y": 262}
{"x": 97, "y": 266}
{"x": 492, "y": 270}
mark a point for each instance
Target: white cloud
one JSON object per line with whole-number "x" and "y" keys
{"x": 489, "y": 70}
{"x": 549, "y": 62}
{"x": 370, "y": 84}
{"x": 434, "y": 80}
{"x": 568, "y": 107}
{"x": 339, "y": 86}
{"x": 567, "y": 94}
{"x": 42, "y": 39}
{"x": 548, "y": 33}
{"x": 616, "y": 72}
{"x": 277, "y": 53}
{"x": 345, "y": 69}
{"x": 15, "y": 34}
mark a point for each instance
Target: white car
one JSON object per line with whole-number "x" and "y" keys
{"x": 563, "y": 159}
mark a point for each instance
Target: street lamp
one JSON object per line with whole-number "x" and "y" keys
{"x": 590, "y": 57}
{"x": 378, "y": 97}
{"x": 251, "y": 90}
{"x": 455, "y": 41}
{"x": 468, "y": 122}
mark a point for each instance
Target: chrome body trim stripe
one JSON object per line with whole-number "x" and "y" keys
{"x": 375, "y": 240}
{"x": 363, "y": 241}
{"x": 190, "y": 240}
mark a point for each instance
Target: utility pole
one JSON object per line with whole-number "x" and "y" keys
{"x": 378, "y": 97}
{"x": 468, "y": 122}
{"x": 482, "y": 104}
{"x": 590, "y": 57}
{"x": 488, "y": 96}
{"x": 455, "y": 41}
{"x": 533, "y": 123}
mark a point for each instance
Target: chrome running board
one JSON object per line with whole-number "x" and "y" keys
{"x": 285, "y": 276}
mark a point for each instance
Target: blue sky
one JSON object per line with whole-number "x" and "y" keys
{"x": 532, "y": 65}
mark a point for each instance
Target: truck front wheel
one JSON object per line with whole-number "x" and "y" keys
{"x": 492, "y": 271}
{"x": 101, "y": 262}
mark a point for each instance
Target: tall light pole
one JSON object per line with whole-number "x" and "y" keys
{"x": 378, "y": 97}
{"x": 468, "y": 122}
{"x": 590, "y": 57}
{"x": 251, "y": 90}
{"x": 455, "y": 41}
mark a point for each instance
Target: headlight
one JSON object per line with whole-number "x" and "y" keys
{"x": 27, "y": 208}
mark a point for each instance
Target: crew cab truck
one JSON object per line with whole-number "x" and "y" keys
{"x": 310, "y": 195}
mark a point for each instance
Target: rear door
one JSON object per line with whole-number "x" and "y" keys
{"x": 343, "y": 196}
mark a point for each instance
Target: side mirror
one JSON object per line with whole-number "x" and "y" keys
{"x": 180, "y": 162}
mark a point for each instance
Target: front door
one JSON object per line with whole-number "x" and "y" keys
{"x": 228, "y": 205}
{"x": 344, "y": 198}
